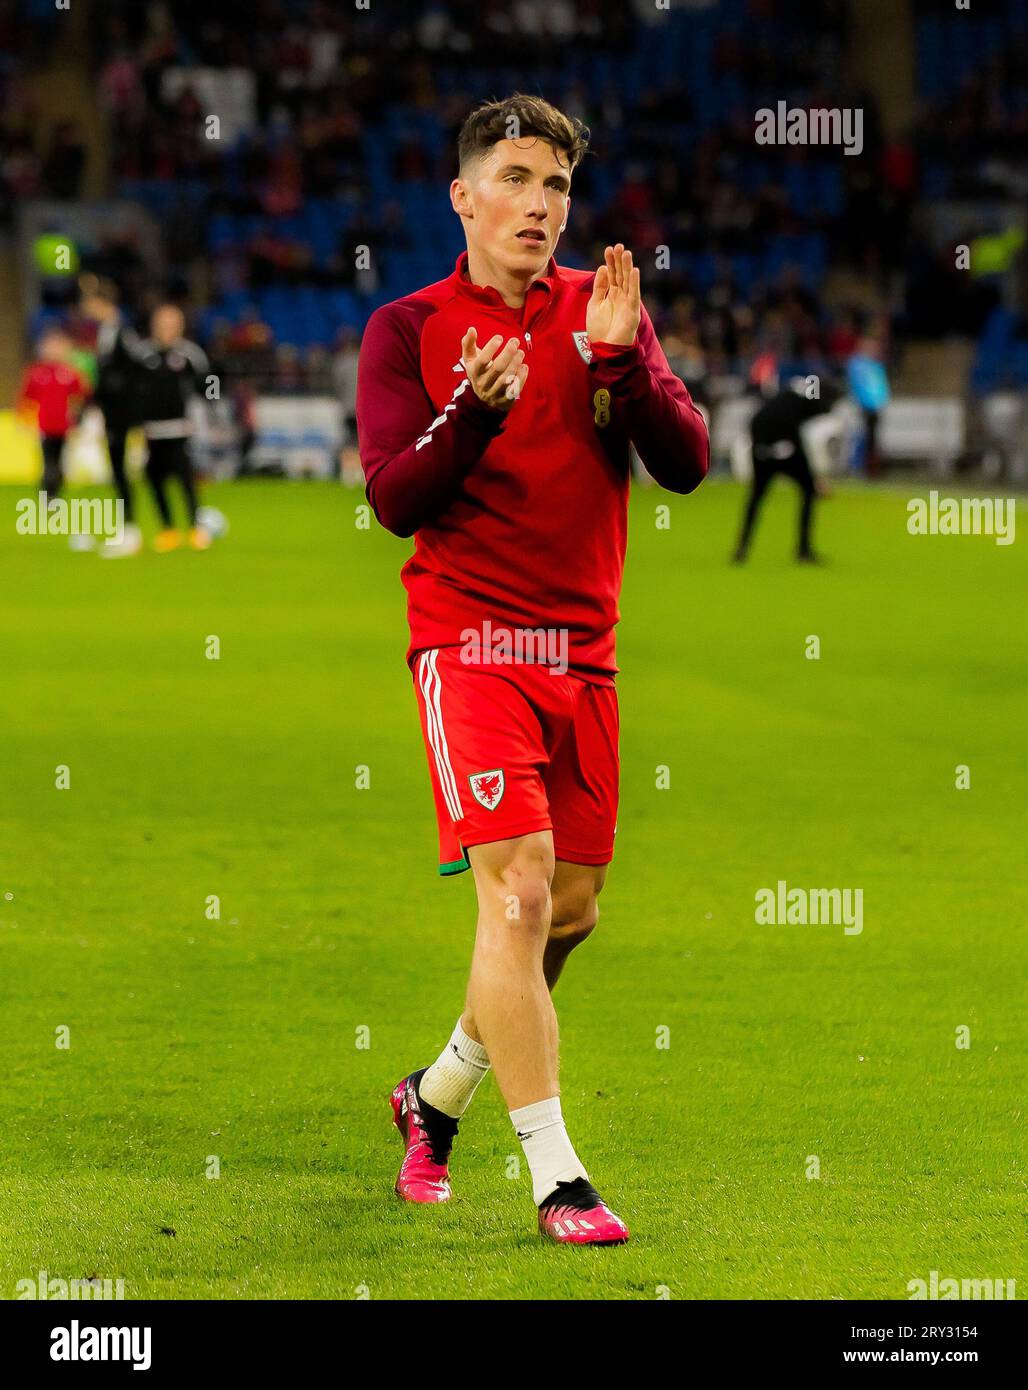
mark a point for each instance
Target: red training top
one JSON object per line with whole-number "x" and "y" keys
{"x": 54, "y": 386}
{"x": 520, "y": 518}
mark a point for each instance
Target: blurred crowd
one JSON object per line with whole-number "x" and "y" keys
{"x": 325, "y": 76}
{"x": 676, "y": 165}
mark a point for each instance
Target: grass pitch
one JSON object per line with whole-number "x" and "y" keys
{"x": 236, "y": 1039}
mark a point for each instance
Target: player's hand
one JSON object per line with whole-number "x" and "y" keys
{"x": 613, "y": 312}
{"x": 496, "y": 370}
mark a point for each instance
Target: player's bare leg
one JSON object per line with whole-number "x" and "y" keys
{"x": 519, "y": 953}
{"x": 573, "y": 917}
{"x": 508, "y": 1003}
{"x": 507, "y": 993}
{"x": 532, "y": 914}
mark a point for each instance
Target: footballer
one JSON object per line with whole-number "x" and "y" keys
{"x": 496, "y": 410}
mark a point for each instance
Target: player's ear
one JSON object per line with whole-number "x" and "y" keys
{"x": 567, "y": 209}
{"x": 460, "y": 198}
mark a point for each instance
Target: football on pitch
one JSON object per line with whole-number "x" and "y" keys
{"x": 213, "y": 521}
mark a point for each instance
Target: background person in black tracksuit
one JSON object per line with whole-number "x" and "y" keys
{"x": 117, "y": 395}
{"x": 778, "y": 448}
{"x": 172, "y": 372}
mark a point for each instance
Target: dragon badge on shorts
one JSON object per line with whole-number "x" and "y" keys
{"x": 487, "y": 788}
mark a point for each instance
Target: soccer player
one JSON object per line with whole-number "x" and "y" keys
{"x": 172, "y": 373}
{"x": 58, "y": 391}
{"x": 495, "y": 412}
{"x": 775, "y": 431}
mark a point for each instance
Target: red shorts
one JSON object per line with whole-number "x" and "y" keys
{"x": 515, "y": 749}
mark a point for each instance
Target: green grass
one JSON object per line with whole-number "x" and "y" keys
{"x": 236, "y": 1037}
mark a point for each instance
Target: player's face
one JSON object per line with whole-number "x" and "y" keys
{"x": 515, "y": 203}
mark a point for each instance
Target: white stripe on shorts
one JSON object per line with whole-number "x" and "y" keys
{"x": 430, "y": 690}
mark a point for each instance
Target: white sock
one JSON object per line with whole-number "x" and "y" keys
{"x": 548, "y": 1151}
{"x": 451, "y": 1080}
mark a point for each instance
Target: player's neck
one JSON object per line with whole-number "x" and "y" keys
{"x": 512, "y": 289}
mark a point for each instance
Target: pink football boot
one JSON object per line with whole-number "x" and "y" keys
{"x": 576, "y": 1214}
{"x": 423, "y": 1175}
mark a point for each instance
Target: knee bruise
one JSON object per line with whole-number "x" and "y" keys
{"x": 526, "y": 900}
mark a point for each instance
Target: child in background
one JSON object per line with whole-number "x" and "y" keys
{"x": 58, "y": 391}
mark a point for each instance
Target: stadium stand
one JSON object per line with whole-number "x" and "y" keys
{"x": 321, "y": 146}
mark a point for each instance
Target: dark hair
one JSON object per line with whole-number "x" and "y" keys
{"x": 526, "y": 115}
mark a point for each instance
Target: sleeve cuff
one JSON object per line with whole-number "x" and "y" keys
{"x": 480, "y": 416}
{"x": 615, "y": 363}
{"x": 616, "y": 352}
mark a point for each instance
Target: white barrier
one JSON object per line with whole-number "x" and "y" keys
{"x": 300, "y": 434}
{"x": 922, "y": 429}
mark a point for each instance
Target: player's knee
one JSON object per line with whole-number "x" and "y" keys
{"x": 526, "y": 891}
{"x": 518, "y": 917}
{"x": 521, "y": 888}
{"x": 527, "y": 904}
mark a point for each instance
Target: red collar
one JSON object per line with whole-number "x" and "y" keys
{"x": 486, "y": 294}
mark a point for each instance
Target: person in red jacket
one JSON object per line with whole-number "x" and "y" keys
{"x": 58, "y": 391}
{"x": 495, "y": 414}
